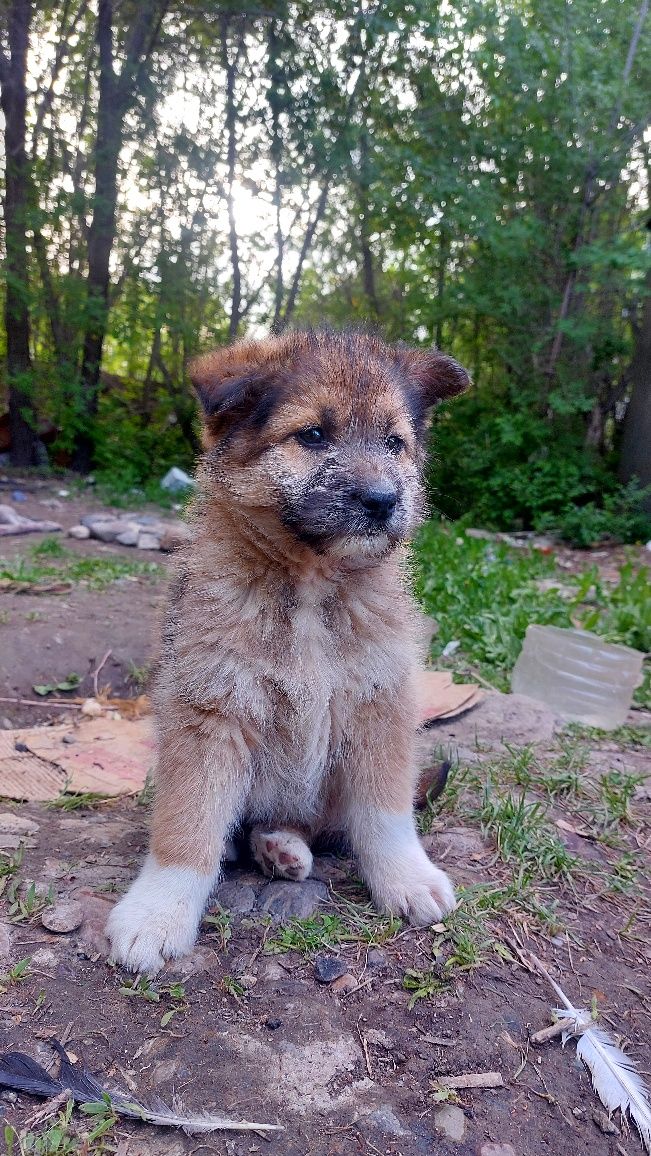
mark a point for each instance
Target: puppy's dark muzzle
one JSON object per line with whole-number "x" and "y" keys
{"x": 378, "y": 503}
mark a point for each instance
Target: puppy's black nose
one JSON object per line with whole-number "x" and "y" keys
{"x": 379, "y": 503}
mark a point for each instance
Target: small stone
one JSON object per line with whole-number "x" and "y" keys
{"x": 108, "y": 530}
{"x": 385, "y": 1120}
{"x": 328, "y": 968}
{"x": 10, "y": 823}
{"x": 292, "y": 900}
{"x": 345, "y": 983}
{"x": 45, "y": 957}
{"x": 376, "y": 958}
{"x": 63, "y": 917}
{"x": 13, "y": 842}
{"x": 604, "y": 1123}
{"x": 273, "y": 1025}
{"x": 79, "y": 532}
{"x": 455, "y": 843}
{"x": 91, "y": 708}
{"x": 273, "y": 972}
{"x": 236, "y": 897}
{"x": 129, "y": 537}
{"x": 148, "y": 542}
{"x": 493, "y": 1149}
{"x": 6, "y": 935}
{"x": 451, "y": 1121}
{"x": 68, "y": 740}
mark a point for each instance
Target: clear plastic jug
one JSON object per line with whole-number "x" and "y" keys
{"x": 577, "y": 674}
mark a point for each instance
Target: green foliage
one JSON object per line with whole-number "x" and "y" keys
{"x": 39, "y": 564}
{"x": 485, "y": 594}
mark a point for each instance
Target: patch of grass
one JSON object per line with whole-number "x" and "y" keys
{"x": 219, "y": 922}
{"x": 140, "y": 987}
{"x": 484, "y": 594}
{"x": 138, "y": 675}
{"x": 52, "y": 561}
{"x": 422, "y": 984}
{"x": 616, "y": 793}
{"x": 523, "y": 835}
{"x": 16, "y": 974}
{"x": 81, "y": 802}
{"x": 61, "y": 1137}
{"x": 357, "y": 923}
{"x": 233, "y": 987}
{"x": 9, "y": 864}
{"x": 25, "y": 907}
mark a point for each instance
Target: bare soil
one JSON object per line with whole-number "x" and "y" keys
{"x": 255, "y": 1035}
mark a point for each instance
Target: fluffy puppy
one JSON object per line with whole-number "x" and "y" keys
{"x": 286, "y": 696}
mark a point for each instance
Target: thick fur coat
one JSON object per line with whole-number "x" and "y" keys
{"x": 286, "y": 697}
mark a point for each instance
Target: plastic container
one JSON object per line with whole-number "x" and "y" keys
{"x": 578, "y": 675}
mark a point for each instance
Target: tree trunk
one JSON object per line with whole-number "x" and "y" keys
{"x": 116, "y": 94}
{"x": 363, "y": 198}
{"x": 230, "y": 68}
{"x": 635, "y": 456}
{"x": 13, "y": 94}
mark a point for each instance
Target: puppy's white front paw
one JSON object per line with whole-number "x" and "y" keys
{"x": 401, "y": 878}
{"x": 158, "y": 918}
{"x": 422, "y": 893}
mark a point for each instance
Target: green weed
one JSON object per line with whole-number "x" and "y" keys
{"x": 86, "y": 800}
{"x": 16, "y": 974}
{"x": 44, "y": 562}
{"x": 523, "y": 835}
{"x": 30, "y": 904}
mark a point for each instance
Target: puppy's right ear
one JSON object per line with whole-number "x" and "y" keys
{"x": 231, "y": 382}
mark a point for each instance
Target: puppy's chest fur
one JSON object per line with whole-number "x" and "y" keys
{"x": 293, "y": 661}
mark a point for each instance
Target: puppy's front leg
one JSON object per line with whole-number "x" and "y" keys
{"x": 202, "y": 777}
{"x": 378, "y": 788}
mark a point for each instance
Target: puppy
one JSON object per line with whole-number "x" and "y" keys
{"x": 286, "y": 692}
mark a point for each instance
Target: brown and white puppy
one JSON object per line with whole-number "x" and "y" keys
{"x": 285, "y": 697}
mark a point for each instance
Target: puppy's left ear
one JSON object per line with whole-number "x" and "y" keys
{"x": 436, "y": 376}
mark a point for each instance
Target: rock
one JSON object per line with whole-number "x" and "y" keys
{"x": 492, "y": 1149}
{"x": 79, "y": 532}
{"x": 329, "y": 967}
{"x": 91, "y": 708}
{"x": 273, "y": 1025}
{"x": 96, "y": 911}
{"x": 148, "y": 541}
{"x": 235, "y": 897}
{"x": 13, "y": 824}
{"x": 376, "y": 958}
{"x": 176, "y": 481}
{"x": 64, "y": 916}
{"x": 499, "y": 718}
{"x": 274, "y": 972}
{"x": 13, "y": 842}
{"x": 604, "y": 1123}
{"x": 6, "y": 935}
{"x": 385, "y": 1120}
{"x": 292, "y": 900}
{"x": 451, "y": 1121}
{"x": 129, "y": 536}
{"x": 45, "y": 957}
{"x": 345, "y": 983}
{"x": 108, "y": 530}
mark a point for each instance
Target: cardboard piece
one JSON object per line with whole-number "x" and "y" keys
{"x": 112, "y": 756}
{"x": 440, "y": 698}
{"x": 107, "y": 756}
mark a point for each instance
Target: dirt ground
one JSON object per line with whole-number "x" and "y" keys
{"x": 353, "y": 1066}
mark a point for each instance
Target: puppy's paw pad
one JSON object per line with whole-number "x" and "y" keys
{"x": 281, "y": 854}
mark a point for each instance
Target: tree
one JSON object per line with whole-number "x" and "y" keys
{"x": 13, "y": 93}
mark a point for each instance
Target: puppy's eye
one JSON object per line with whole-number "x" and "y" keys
{"x": 313, "y": 436}
{"x": 395, "y": 445}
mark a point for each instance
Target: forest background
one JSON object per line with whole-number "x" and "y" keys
{"x": 472, "y": 173}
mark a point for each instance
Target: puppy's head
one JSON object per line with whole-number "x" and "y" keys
{"x": 325, "y": 432}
